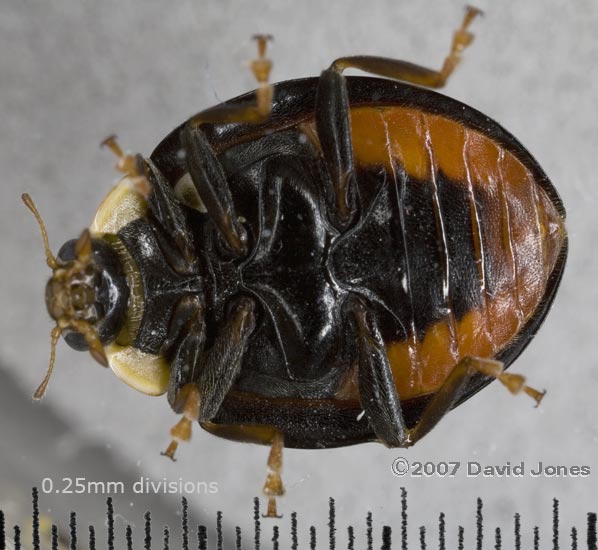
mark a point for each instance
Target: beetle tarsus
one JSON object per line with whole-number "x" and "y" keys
{"x": 181, "y": 431}
{"x": 261, "y": 68}
{"x": 127, "y": 164}
{"x": 461, "y": 40}
{"x": 112, "y": 143}
{"x": 169, "y": 452}
{"x": 272, "y": 510}
{"x": 273, "y": 487}
{"x": 536, "y": 395}
{"x": 408, "y": 72}
{"x": 252, "y": 113}
{"x": 452, "y": 389}
{"x": 514, "y": 382}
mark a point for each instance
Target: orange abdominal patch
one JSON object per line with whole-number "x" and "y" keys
{"x": 478, "y": 334}
{"x": 523, "y": 233}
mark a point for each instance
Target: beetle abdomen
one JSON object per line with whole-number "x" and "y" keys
{"x": 462, "y": 239}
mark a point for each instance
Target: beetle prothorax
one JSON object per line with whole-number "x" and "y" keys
{"x": 70, "y": 295}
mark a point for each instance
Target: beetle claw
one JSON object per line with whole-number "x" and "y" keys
{"x": 536, "y": 395}
{"x": 470, "y": 13}
{"x": 169, "y": 452}
{"x": 112, "y": 144}
{"x": 272, "y": 512}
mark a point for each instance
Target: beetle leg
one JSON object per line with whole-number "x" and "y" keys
{"x": 187, "y": 319}
{"x": 273, "y": 487}
{"x": 128, "y": 164}
{"x": 450, "y": 391}
{"x": 377, "y": 390}
{"x": 514, "y": 382}
{"x": 222, "y": 363}
{"x": 183, "y": 394}
{"x": 261, "y": 68}
{"x": 252, "y": 113}
{"x": 169, "y": 214}
{"x": 185, "y": 340}
{"x": 380, "y": 400}
{"x": 408, "y": 72}
{"x": 334, "y": 133}
{"x": 181, "y": 431}
{"x": 210, "y": 182}
{"x": 199, "y": 383}
{"x": 145, "y": 178}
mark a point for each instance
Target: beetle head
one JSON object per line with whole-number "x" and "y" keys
{"x": 84, "y": 295}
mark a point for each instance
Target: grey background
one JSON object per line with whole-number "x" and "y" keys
{"x": 73, "y": 72}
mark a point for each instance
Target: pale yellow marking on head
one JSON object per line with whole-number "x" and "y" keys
{"x": 122, "y": 205}
{"x": 144, "y": 372}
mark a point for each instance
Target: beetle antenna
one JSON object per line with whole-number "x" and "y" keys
{"x": 41, "y": 390}
{"x": 50, "y": 259}
{"x": 95, "y": 348}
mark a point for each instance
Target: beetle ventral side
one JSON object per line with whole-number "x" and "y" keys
{"x": 322, "y": 262}
{"x": 456, "y": 251}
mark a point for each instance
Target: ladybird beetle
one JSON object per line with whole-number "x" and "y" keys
{"x": 319, "y": 263}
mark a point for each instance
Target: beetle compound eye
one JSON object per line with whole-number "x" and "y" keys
{"x": 75, "y": 340}
{"x": 66, "y": 253}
